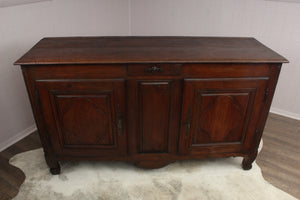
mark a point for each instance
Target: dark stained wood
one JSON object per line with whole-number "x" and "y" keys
{"x": 220, "y": 114}
{"x": 77, "y": 71}
{"x": 153, "y": 121}
{"x": 80, "y": 113}
{"x": 86, "y": 115}
{"x": 269, "y": 93}
{"x": 153, "y": 113}
{"x": 218, "y": 70}
{"x": 278, "y": 159}
{"x": 154, "y": 69}
{"x": 103, "y": 50}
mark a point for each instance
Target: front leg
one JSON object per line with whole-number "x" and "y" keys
{"x": 53, "y": 164}
{"x": 248, "y": 160}
{"x": 55, "y": 170}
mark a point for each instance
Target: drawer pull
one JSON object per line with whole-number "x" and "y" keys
{"x": 153, "y": 69}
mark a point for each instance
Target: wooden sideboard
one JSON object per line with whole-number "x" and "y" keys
{"x": 150, "y": 100}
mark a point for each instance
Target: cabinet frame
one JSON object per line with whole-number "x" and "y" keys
{"x": 161, "y": 69}
{"x": 32, "y": 75}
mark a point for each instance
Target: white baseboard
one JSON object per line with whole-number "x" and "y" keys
{"x": 285, "y": 113}
{"x": 17, "y": 137}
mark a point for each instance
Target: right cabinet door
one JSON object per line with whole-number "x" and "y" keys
{"x": 220, "y": 115}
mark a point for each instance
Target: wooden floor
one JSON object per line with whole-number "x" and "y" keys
{"x": 11, "y": 177}
{"x": 279, "y": 158}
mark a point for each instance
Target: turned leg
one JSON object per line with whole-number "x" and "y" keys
{"x": 53, "y": 164}
{"x": 248, "y": 160}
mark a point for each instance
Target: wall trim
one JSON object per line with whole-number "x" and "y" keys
{"x": 17, "y": 137}
{"x": 285, "y": 113}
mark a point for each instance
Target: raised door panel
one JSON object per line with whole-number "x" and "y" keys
{"x": 84, "y": 116}
{"x": 154, "y": 116}
{"x": 220, "y": 115}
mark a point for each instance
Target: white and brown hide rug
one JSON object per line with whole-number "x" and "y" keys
{"x": 213, "y": 179}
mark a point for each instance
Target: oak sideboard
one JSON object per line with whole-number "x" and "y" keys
{"x": 150, "y": 100}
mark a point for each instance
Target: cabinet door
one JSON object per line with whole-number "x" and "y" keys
{"x": 154, "y": 116}
{"x": 220, "y": 115}
{"x": 84, "y": 117}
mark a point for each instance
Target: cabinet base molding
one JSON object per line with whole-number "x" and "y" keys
{"x": 145, "y": 164}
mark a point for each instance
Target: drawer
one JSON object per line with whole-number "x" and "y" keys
{"x": 78, "y": 71}
{"x": 222, "y": 70}
{"x": 154, "y": 69}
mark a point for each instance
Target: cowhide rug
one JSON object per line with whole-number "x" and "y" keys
{"x": 213, "y": 179}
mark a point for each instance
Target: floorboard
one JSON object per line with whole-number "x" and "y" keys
{"x": 279, "y": 158}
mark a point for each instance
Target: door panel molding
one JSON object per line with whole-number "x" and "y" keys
{"x": 224, "y": 114}
{"x": 84, "y": 114}
{"x": 154, "y": 99}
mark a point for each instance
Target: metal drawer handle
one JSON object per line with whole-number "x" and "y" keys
{"x": 153, "y": 69}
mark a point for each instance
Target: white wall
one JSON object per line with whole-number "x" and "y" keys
{"x": 24, "y": 25}
{"x": 276, "y": 24}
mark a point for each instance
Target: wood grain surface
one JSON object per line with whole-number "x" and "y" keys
{"x": 279, "y": 158}
{"x": 102, "y": 50}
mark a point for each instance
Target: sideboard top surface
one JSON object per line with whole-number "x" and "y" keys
{"x": 158, "y": 49}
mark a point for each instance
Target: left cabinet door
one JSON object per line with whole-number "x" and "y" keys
{"x": 84, "y": 117}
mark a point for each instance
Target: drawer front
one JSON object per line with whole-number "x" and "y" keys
{"x": 222, "y": 70}
{"x": 78, "y": 71}
{"x": 154, "y": 69}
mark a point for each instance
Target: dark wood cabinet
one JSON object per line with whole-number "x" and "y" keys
{"x": 150, "y": 100}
